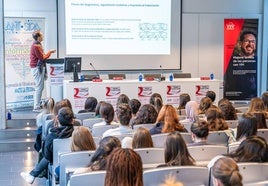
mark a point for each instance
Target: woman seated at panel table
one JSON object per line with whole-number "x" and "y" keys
{"x": 167, "y": 121}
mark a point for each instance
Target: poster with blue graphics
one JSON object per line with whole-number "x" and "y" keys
{"x": 18, "y": 39}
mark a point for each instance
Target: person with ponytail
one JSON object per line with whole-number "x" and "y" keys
{"x": 225, "y": 172}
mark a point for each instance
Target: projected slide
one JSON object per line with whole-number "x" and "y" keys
{"x": 116, "y": 27}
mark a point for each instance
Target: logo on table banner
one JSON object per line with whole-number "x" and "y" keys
{"x": 56, "y": 70}
{"x": 80, "y": 93}
{"x": 145, "y": 91}
{"x": 113, "y": 91}
{"x": 173, "y": 90}
{"x": 201, "y": 90}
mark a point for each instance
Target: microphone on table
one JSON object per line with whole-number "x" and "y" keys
{"x": 97, "y": 77}
{"x": 97, "y": 74}
{"x": 162, "y": 78}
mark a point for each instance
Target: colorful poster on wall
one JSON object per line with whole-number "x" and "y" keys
{"x": 56, "y": 74}
{"x": 240, "y": 58}
{"x": 18, "y": 40}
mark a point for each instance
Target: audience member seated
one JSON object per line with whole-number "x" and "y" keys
{"x": 99, "y": 158}
{"x": 97, "y": 110}
{"x": 146, "y": 114}
{"x": 82, "y": 140}
{"x": 264, "y": 98}
{"x": 215, "y": 120}
{"x": 123, "y": 98}
{"x": 176, "y": 152}
{"x": 141, "y": 139}
{"x": 247, "y": 126}
{"x": 184, "y": 98}
{"x": 204, "y": 105}
{"x": 225, "y": 172}
{"x": 124, "y": 168}
{"x": 157, "y": 101}
{"x": 200, "y": 133}
{"x": 65, "y": 118}
{"x": 252, "y": 149}
{"x": 134, "y": 105}
{"x": 227, "y": 109}
{"x": 123, "y": 113}
{"x": 47, "y": 108}
{"x": 191, "y": 110}
{"x": 212, "y": 95}
{"x": 107, "y": 113}
{"x": 57, "y": 107}
{"x": 167, "y": 121}
{"x": 90, "y": 105}
{"x": 257, "y": 105}
{"x": 261, "y": 120}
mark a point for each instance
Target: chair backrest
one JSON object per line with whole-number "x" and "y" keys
{"x": 151, "y": 157}
{"x": 85, "y": 115}
{"x": 90, "y": 178}
{"x": 91, "y": 121}
{"x": 115, "y": 76}
{"x": 187, "y": 125}
{"x": 242, "y": 109}
{"x": 159, "y": 140}
{"x": 232, "y": 147}
{"x": 232, "y": 123}
{"x": 254, "y": 173}
{"x": 182, "y": 117}
{"x": 99, "y": 130}
{"x": 204, "y": 153}
{"x": 187, "y": 136}
{"x": 122, "y": 136}
{"x": 44, "y": 128}
{"x": 147, "y": 126}
{"x": 96, "y": 140}
{"x": 263, "y": 133}
{"x": 188, "y": 175}
{"x": 60, "y": 146}
{"x": 70, "y": 161}
{"x": 182, "y": 75}
{"x": 217, "y": 137}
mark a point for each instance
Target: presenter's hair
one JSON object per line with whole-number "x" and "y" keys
{"x": 36, "y": 34}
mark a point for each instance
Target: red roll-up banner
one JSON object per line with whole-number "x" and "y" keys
{"x": 240, "y": 58}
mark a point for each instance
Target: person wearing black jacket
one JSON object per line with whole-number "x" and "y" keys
{"x": 65, "y": 130}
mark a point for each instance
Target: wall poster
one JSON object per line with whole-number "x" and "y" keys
{"x": 18, "y": 39}
{"x": 240, "y": 58}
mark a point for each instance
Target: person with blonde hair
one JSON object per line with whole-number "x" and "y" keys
{"x": 225, "y": 172}
{"x": 171, "y": 181}
{"x": 82, "y": 139}
{"x": 124, "y": 168}
{"x": 167, "y": 121}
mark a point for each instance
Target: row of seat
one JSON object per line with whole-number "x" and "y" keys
{"x": 253, "y": 174}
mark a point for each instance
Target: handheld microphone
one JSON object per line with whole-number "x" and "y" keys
{"x": 162, "y": 78}
{"x": 97, "y": 74}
